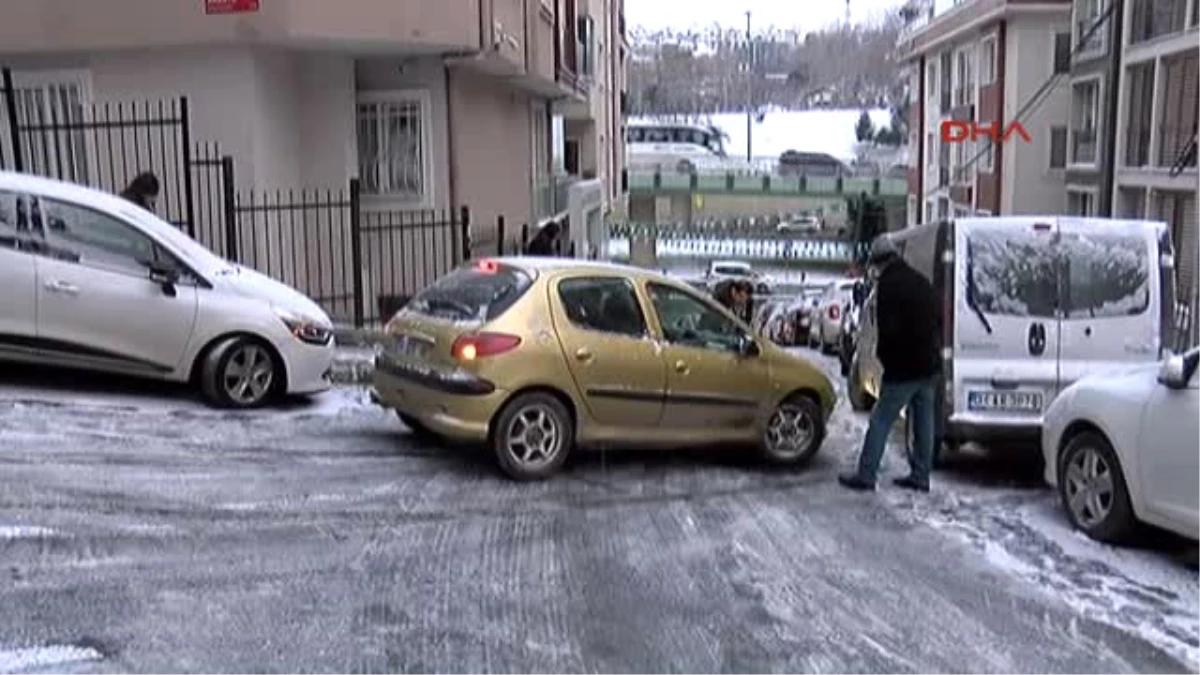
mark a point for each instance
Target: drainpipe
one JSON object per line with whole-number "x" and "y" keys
{"x": 1113, "y": 87}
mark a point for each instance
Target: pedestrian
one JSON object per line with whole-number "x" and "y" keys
{"x": 143, "y": 190}
{"x": 542, "y": 243}
{"x": 908, "y": 347}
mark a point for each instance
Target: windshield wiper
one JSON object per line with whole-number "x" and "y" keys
{"x": 975, "y": 307}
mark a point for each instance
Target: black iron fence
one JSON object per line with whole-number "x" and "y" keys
{"x": 52, "y": 132}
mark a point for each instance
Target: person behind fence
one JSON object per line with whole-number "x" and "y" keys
{"x": 142, "y": 190}
{"x": 735, "y": 295}
{"x": 908, "y": 347}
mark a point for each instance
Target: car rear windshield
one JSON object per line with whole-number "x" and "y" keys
{"x": 476, "y": 293}
{"x": 1091, "y": 275}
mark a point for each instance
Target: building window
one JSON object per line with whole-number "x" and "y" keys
{"x": 1139, "y": 114}
{"x": 59, "y": 103}
{"x": 987, "y": 61}
{"x": 929, "y": 212}
{"x": 964, "y": 90}
{"x": 1085, "y": 115}
{"x": 1081, "y": 203}
{"x": 1131, "y": 203}
{"x": 1152, "y": 19}
{"x": 1062, "y": 53}
{"x": 1180, "y": 108}
{"x": 393, "y": 145}
{"x": 931, "y": 84}
{"x": 587, "y": 46}
{"x": 1058, "y": 147}
{"x": 1087, "y": 14}
{"x": 944, "y": 89}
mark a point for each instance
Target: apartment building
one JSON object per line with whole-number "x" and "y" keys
{"x": 433, "y": 104}
{"x": 980, "y": 62}
{"x": 1094, "y": 76}
{"x": 1157, "y": 105}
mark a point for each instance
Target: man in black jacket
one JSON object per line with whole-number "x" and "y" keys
{"x": 908, "y": 346}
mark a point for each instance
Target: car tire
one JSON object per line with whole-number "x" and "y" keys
{"x": 534, "y": 423}
{"x": 240, "y": 373}
{"x": 860, "y": 400}
{"x": 794, "y": 432}
{"x": 1083, "y": 493}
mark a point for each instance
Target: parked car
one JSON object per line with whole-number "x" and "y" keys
{"x": 92, "y": 281}
{"x": 848, "y": 341}
{"x": 535, "y": 356}
{"x": 725, "y": 270}
{"x": 803, "y": 224}
{"x": 828, "y": 320}
{"x": 786, "y": 321}
{"x": 1121, "y": 449}
{"x": 1030, "y": 304}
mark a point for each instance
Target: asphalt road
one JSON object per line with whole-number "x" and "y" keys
{"x": 141, "y": 532}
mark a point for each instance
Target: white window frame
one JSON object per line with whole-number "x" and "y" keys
{"x": 424, "y": 101}
{"x": 993, "y": 65}
{"x": 78, "y": 77}
{"x": 1096, "y": 116}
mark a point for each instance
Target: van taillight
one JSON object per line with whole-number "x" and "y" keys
{"x": 478, "y": 345}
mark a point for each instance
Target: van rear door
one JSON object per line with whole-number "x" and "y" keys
{"x": 1110, "y": 295}
{"x": 1006, "y": 329}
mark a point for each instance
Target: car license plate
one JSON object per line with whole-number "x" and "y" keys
{"x": 1010, "y": 401}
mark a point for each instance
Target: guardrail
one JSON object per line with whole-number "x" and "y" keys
{"x": 774, "y": 184}
{"x": 797, "y": 251}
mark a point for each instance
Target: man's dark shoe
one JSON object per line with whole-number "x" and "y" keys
{"x": 910, "y": 483}
{"x": 853, "y": 482}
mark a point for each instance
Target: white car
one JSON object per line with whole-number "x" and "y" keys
{"x": 92, "y": 281}
{"x": 805, "y": 224}
{"x": 1122, "y": 448}
{"x": 826, "y": 332}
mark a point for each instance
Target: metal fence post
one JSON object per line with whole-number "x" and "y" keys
{"x": 231, "y": 213}
{"x": 465, "y": 224}
{"x": 356, "y": 250}
{"x": 189, "y": 202}
{"x": 14, "y": 131}
{"x": 500, "y": 235}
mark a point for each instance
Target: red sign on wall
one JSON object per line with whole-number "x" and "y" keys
{"x": 230, "y": 6}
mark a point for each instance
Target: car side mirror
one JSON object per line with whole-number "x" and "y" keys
{"x": 1172, "y": 374}
{"x": 747, "y": 347}
{"x": 165, "y": 275}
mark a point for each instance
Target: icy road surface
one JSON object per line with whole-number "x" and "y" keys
{"x": 140, "y": 531}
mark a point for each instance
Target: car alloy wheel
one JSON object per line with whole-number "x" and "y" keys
{"x": 248, "y": 374}
{"x": 240, "y": 372}
{"x": 1092, "y": 489}
{"x": 1089, "y": 487}
{"x": 794, "y": 431}
{"x": 532, "y": 436}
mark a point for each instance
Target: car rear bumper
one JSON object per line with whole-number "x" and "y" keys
{"x": 457, "y": 407}
{"x": 963, "y": 431}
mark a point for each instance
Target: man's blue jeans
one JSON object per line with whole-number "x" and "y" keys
{"x": 920, "y": 398}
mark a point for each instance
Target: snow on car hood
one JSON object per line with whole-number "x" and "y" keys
{"x": 252, "y": 284}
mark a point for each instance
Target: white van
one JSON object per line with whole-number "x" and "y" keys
{"x": 1030, "y": 305}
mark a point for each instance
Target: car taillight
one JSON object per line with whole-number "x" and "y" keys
{"x": 478, "y": 345}
{"x": 834, "y": 312}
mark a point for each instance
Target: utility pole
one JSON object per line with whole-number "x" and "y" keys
{"x": 749, "y": 91}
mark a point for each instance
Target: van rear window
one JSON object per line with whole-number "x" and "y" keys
{"x": 1092, "y": 275}
{"x": 474, "y": 293}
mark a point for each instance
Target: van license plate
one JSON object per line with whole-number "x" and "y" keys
{"x": 1013, "y": 401}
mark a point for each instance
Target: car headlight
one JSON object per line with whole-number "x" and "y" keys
{"x": 305, "y": 329}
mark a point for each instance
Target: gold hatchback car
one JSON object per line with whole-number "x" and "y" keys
{"x": 535, "y": 356}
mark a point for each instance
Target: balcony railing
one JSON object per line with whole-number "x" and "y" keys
{"x": 1083, "y": 146}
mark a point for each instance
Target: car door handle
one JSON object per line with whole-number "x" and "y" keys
{"x": 681, "y": 367}
{"x": 1002, "y": 383}
{"x": 584, "y": 354}
{"x": 62, "y": 287}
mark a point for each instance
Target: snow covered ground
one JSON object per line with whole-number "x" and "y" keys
{"x": 350, "y": 537}
{"x": 827, "y": 131}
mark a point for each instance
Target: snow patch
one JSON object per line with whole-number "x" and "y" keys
{"x": 9, "y": 532}
{"x": 18, "y": 660}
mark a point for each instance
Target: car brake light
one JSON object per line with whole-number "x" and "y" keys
{"x": 488, "y": 266}
{"x": 479, "y": 345}
{"x": 834, "y": 312}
